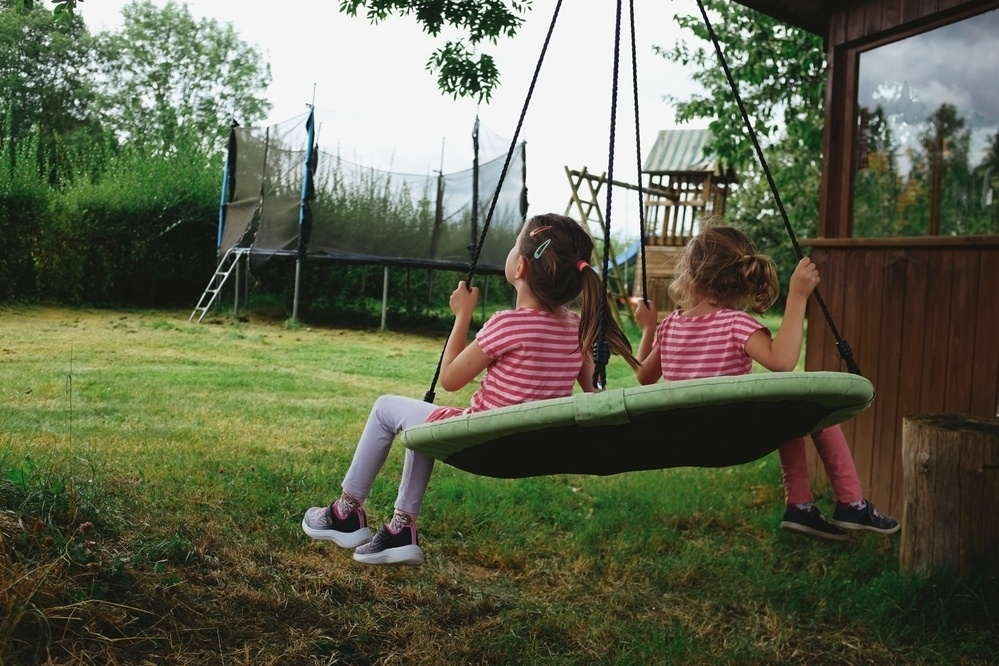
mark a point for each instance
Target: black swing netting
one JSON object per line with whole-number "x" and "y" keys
{"x": 340, "y": 211}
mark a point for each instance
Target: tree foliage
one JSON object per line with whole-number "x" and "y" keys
{"x": 780, "y": 75}
{"x": 63, "y": 10}
{"x": 166, "y": 74}
{"x": 109, "y": 151}
{"x": 780, "y": 72}
{"x": 461, "y": 70}
{"x": 46, "y": 87}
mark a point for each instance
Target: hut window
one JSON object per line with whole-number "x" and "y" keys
{"x": 927, "y": 133}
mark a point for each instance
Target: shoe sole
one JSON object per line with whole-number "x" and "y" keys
{"x": 342, "y": 539}
{"x": 411, "y": 556}
{"x": 812, "y": 534}
{"x": 856, "y": 527}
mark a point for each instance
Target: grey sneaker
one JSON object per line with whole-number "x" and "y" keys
{"x": 866, "y": 518}
{"x": 809, "y": 522}
{"x": 326, "y": 523}
{"x": 392, "y": 548}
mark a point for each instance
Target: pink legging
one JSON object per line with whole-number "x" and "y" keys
{"x": 836, "y": 459}
{"x": 390, "y": 415}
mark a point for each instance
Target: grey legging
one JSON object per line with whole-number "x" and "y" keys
{"x": 390, "y": 415}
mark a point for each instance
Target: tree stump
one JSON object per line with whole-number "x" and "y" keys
{"x": 950, "y": 466}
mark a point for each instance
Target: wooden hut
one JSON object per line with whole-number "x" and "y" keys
{"x": 684, "y": 184}
{"x": 913, "y": 286}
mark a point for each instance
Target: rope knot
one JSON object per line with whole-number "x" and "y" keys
{"x": 601, "y": 352}
{"x": 601, "y": 355}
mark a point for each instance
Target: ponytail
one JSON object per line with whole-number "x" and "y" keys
{"x": 589, "y": 320}
{"x": 761, "y": 283}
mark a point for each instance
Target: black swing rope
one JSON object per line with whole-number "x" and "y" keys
{"x": 601, "y": 350}
{"x": 841, "y": 345}
{"x": 638, "y": 154}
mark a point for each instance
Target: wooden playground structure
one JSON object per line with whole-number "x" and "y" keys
{"x": 684, "y": 185}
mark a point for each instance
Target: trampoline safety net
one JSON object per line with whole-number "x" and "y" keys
{"x": 283, "y": 195}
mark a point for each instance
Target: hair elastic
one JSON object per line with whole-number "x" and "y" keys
{"x": 541, "y": 248}
{"x": 582, "y": 263}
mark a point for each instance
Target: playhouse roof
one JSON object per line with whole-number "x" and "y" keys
{"x": 682, "y": 151}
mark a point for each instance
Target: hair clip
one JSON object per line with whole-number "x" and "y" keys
{"x": 541, "y": 249}
{"x": 538, "y": 230}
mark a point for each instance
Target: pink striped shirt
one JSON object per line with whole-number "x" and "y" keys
{"x": 712, "y": 345}
{"x": 535, "y": 355}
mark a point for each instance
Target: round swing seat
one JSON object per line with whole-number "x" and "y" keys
{"x": 712, "y": 422}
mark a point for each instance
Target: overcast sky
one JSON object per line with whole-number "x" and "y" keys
{"x": 379, "y": 106}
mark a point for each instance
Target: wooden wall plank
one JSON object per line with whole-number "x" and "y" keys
{"x": 985, "y": 370}
{"x": 856, "y": 329}
{"x": 867, "y": 329}
{"x": 910, "y": 11}
{"x": 907, "y": 341}
{"x": 912, "y": 344}
{"x": 859, "y": 20}
{"x": 935, "y": 320}
{"x": 961, "y": 336}
{"x": 891, "y": 13}
{"x": 886, "y": 478}
{"x": 837, "y": 28}
{"x": 874, "y": 11}
{"x": 855, "y": 14}
{"x": 927, "y": 7}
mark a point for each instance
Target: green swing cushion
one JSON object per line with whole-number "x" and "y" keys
{"x": 712, "y": 422}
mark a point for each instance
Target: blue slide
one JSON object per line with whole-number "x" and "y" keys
{"x": 627, "y": 257}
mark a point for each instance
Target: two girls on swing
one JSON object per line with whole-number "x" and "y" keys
{"x": 540, "y": 349}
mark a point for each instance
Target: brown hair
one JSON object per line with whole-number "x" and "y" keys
{"x": 721, "y": 263}
{"x": 560, "y": 273}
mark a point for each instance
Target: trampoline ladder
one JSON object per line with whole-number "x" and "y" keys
{"x": 225, "y": 268}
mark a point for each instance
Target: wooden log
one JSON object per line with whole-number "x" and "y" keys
{"x": 950, "y": 466}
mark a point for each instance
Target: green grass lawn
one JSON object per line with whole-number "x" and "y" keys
{"x": 153, "y": 476}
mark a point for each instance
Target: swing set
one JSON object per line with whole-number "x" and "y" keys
{"x": 712, "y": 422}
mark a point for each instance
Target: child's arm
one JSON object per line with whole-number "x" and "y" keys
{"x": 651, "y": 369}
{"x": 585, "y": 378}
{"x": 781, "y": 353}
{"x": 460, "y": 364}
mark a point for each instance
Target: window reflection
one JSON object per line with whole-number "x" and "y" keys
{"x": 928, "y": 133}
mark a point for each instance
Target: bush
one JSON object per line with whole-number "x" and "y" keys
{"x": 144, "y": 234}
{"x": 23, "y": 205}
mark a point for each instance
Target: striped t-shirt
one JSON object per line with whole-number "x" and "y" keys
{"x": 712, "y": 345}
{"x": 535, "y": 355}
